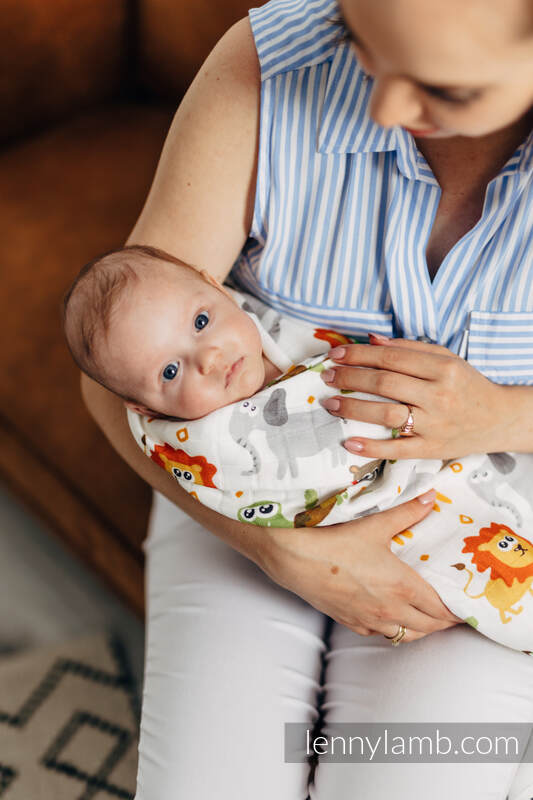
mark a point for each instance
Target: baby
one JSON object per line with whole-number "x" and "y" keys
{"x": 199, "y": 369}
{"x": 166, "y": 337}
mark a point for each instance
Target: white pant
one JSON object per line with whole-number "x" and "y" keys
{"x": 231, "y": 657}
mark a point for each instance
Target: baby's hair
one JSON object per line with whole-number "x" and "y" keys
{"x": 88, "y": 305}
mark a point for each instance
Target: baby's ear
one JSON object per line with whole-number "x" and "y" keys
{"x": 145, "y": 412}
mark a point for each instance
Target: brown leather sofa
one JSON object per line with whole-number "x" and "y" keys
{"x": 87, "y": 92}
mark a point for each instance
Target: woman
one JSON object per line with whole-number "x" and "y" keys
{"x": 381, "y": 185}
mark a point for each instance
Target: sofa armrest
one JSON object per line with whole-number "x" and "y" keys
{"x": 59, "y": 57}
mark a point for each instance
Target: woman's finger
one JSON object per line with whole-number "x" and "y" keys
{"x": 420, "y": 595}
{"x": 410, "y": 344}
{"x": 411, "y": 634}
{"x": 399, "y": 448}
{"x": 405, "y": 360}
{"x": 394, "y": 385}
{"x": 390, "y": 415}
{"x": 362, "y": 631}
{"x": 413, "y": 620}
{"x": 386, "y": 524}
{"x": 425, "y": 613}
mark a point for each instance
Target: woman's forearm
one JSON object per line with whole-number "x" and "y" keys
{"x": 347, "y": 572}
{"x": 110, "y": 414}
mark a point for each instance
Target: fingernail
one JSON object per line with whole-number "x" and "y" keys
{"x": 377, "y": 338}
{"x": 428, "y": 497}
{"x": 353, "y": 445}
{"x": 332, "y": 404}
{"x": 328, "y": 375}
{"x": 337, "y": 352}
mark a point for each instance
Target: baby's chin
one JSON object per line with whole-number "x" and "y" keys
{"x": 245, "y": 395}
{"x": 254, "y": 379}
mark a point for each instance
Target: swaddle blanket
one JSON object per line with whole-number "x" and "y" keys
{"x": 276, "y": 459}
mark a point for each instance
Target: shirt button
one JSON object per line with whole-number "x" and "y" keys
{"x": 425, "y": 339}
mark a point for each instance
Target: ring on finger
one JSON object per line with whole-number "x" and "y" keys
{"x": 397, "y": 637}
{"x": 408, "y": 427}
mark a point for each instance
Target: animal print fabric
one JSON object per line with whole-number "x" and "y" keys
{"x": 276, "y": 460}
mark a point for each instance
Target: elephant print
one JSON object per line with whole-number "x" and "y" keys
{"x": 290, "y": 436}
{"x": 496, "y": 469}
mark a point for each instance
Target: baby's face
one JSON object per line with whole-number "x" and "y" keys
{"x": 180, "y": 346}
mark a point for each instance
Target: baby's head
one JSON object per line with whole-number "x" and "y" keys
{"x": 162, "y": 335}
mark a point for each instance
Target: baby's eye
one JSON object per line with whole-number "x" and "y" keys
{"x": 170, "y": 371}
{"x": 201, "y": 320}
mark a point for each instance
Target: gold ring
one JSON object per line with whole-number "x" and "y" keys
{"x": 398, "y": 636}
{"x": 408, "y": 427}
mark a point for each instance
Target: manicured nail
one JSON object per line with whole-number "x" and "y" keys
{"x": 332, "y": 404}
{"x": 337, "y": 352}
{"x": 428, "y": 497}
{"x": 328, "y": 376}
{"x": 377, "y": 338}
{"x": 353, "y": 445}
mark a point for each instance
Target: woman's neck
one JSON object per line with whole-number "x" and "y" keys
{"x": 463, "y": 167}
{"x": 463, "y": 164}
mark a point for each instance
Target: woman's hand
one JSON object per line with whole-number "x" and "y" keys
{"x": 456, "y": 410}
{"x": 348, "y": 572}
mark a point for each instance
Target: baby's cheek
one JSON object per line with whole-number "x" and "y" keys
{"x": 256, "y": 377}
{"x": 206, "y": 402}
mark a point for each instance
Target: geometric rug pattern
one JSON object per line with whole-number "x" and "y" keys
{"x": 69, "y": 720}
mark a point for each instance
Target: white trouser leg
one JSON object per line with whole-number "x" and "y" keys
{"x": 230, "y": 658}
{"x": 454, "y": 675}
{"x": 522, "y": 786}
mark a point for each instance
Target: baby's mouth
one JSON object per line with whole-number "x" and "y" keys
{"x": 233, "y": 369}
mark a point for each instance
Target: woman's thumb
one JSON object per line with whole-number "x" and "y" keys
{"x": 403, "y": 516}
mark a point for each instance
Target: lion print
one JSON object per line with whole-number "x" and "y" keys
{"x": 510, "y": 560}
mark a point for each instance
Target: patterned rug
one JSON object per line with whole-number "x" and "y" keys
{"x": 68, "y": 723}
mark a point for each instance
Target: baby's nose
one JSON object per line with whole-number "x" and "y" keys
{"x": 208, "y": 359}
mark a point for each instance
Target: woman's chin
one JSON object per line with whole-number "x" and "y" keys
{"x": 429, "y": 133}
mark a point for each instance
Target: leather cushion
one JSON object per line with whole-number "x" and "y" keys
{"x": 65, "y": 197}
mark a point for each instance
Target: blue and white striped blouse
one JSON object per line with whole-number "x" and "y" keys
{"x": 344, "y": 208}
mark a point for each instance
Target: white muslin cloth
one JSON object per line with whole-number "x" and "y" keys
{"x": 276, "y": 459}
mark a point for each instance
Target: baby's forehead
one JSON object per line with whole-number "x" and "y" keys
{"x": 182, "y": 276}
{"x": 160, "y": 289}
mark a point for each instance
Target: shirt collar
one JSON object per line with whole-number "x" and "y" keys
{"x": 346, "y": 127}
{"x": 522, "y": 158}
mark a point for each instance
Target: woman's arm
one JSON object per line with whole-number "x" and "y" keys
{"x": 200, "y": 206}
{"x": 200, "y": 209}
{"x": 346, "y": 571}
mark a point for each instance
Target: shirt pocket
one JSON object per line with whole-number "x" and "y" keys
{"x": 500, "y": 345}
